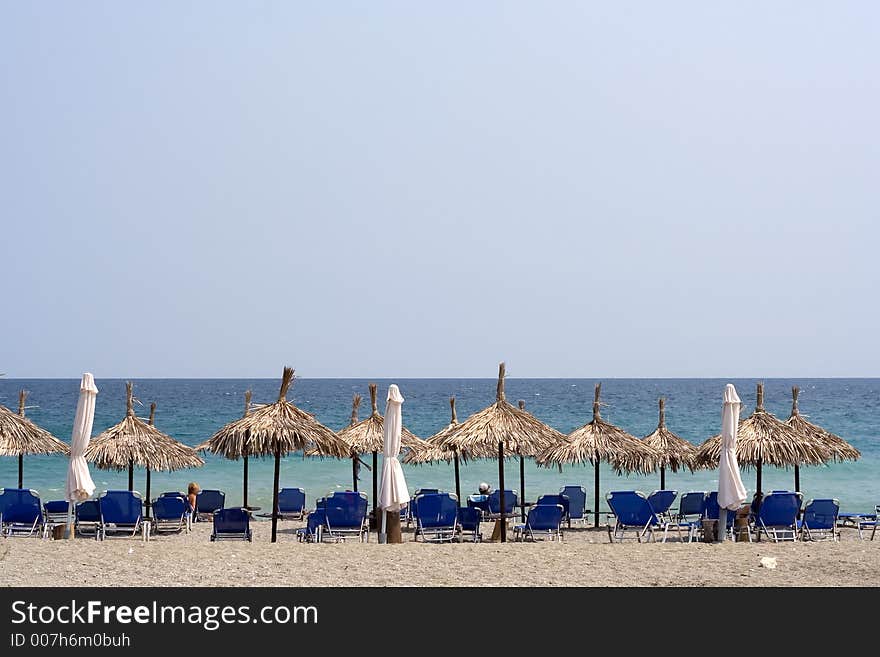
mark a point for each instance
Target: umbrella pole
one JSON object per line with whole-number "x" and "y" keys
{"x": 21, "y": 471}
{"x": 596, "y": 493}
{"x": 662, "y": 478}
{"x": 244, "y": 491}
{"x": 147, "y": 498}
{"x": 275, "y": 493}
{"x": 354, "y": 474}
{"x": 758, "y": 492}
{"x": 457, "y": 480}
{"x": 501, "y": 485}
{"x": 375, "y": 489}
{"x": 522, "y": 489}
{"x": 797, "y": 479}
{"x": 130, "y": 475}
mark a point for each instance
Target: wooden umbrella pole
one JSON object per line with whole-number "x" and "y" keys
{"x": 353, "y": 420}
{"x": 503, "y": 519}
{"x": 457, "y": 481}
{"x": 797, "y": 478}
{"x": 22, "y": 397}
{"x": 662, "y": 478}
{"x": 244, "y": 499}
{"x": 794, "y": 411}
{"x": 354, "y": 474}
{"x": 522, "y": 478}
{"x": 275, "y": 493}
{"x": 596, "y": 491}
{"x": 130, "y": 475}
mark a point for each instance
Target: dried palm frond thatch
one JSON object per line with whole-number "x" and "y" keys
{"x": 277, "y": 429}
{"x": 135, "y": 442}
{"x": 19, "y": 436}
{"x": 836, "y": 447}
{"x": 599, "y": 441}
{"x": 763, "y": 439}
{"x": 500, "y": 428}
{"x": 675, "y": 452}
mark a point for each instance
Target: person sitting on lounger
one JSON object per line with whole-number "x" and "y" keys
{"x": 191, "y": 492}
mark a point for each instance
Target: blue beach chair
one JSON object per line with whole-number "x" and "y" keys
{"x": 121, "y": 511}
{"x": 169, "y": 514}
{"x": 577, "y": 503}
{"x": 313, "y": 530}
{"x": 469, "y": 518}
{"x": 291, "y": 503}
{"x": 87, "y": 518}
{"x": 661, "y": 501}
{"x": 713, "y": 512}
{"x": 556, "y": 499}
{"x": 777, "y": 517}
{"x": 632, "y": 511}
{"x": 542, "y": 518}
{"x": 436, "y": 517}
{"x": 21, "y": 513}
{"x": 691, "y": 508}
{"x": 208, "y": 501}
{"x": 55, "y": 513}
{"x": 231, "y": 524}
{"x": 511, "y": 500}
{"x": 346, "y": 516}
{"x": 819, "y": 520}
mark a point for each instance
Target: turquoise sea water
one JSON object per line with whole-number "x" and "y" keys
{"x": 191, "y": 410}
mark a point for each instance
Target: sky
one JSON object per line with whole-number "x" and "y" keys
{"x": 396, "y": 189}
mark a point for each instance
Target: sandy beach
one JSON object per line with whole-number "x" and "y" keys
{"x": 583, "y": 558}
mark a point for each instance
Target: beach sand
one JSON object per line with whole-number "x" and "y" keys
{"x": 583, "y": 558}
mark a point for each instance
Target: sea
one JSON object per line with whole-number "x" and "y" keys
{"x": 191, "y": 410}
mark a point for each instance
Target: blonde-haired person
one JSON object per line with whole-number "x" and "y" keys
{"x": 192, "y": 492}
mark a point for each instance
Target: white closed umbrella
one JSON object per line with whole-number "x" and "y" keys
{"x": 731, "y": 492}
{"x": 393, "y": 492}
{"x": 79, "y": 482}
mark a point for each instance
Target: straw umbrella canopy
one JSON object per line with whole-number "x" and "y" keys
{"x": 599, "y": 441}
{"x": 500, "y": 428}
{"x": 277, "y": 429}
{"x": 838, "y": 449}
{"x": 19, "y": 436}
{"x": 675, "y": 452}
{"x": 432, "y": 451}
{"x": 366, "y": 437}
{"x": 762, "y": 439}
{"x": 134, "y": 442}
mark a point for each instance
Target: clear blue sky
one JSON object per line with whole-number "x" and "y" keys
{"x": 392, "y": 189}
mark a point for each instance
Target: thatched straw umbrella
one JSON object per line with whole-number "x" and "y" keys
{"x": 277, "y": 429}
{"x": 764, "y": 439}
{"x": 675, "y": 452}
{"x": 432, "y": 450}
{"x": 838, "y": 449}
{"x": 599, "y": 441}
{"x": 135, "y": 442}
{"x": 497, "y": 429}
{"x": 20, "y": 436}
{"x": 367, "y": 436}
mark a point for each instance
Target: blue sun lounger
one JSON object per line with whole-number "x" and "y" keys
{"x": 345, "y": 516}
{"x": 291, "y": 503}
{"x": 231, "y": 524}
{"x": 661, "y": 501}
{"x": 632, "y": 511}
{"x": 436, "y": 517}
{"x": 121, "y": 511}
{"x": 820, "y": 520}
{"x": 691, "y": 508}
{"x": 777, "y": 516}
{"x": 169, "y": 514}
{"x": 208, "y": 501}
{"x": 469, "y": 518}
{"x": 312, "y": 532}
{"x": 542, "y": 518}
{"x": 87, "y": 518}
{"x": 577, "y": 503}
{"x": 21, "y": 513}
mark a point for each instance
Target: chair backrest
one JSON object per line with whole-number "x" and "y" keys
{"x": 577, "y": 500}
{"x": 692, "y": 503}
{"x": 426, "y": 491}
{"x": 469, "y": 518}
{"x": 210, "y": 500}
{"x": 661, "y": 500}
{"x": 173, "y": 493}
{"x": 437, "y": 510}
{"x": 510, "y": 500}
{"x": 56, "y": 507}
{"x": 20, "y": 505}
{"x": 545, "y": 516}
{"x": 169, "y": 508}
{"x": 355, "y": 505}
{"x": 120, "y": 507}
{"x": 631, "y": 507}
{"x": 555, "y": 499}
{"x": 780, "y": 509}
{"x": 291, "y": 500}
{"x": 88, "y": 511}
{"x": 231, "y": 521}
{"x": 821, "y": 513}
